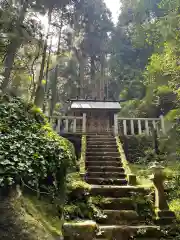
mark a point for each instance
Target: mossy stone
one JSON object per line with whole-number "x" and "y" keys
{"x": 80, "y": 230}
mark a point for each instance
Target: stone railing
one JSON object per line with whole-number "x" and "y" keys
{"x": 69, "y": 124}
{"x": 138, "y": 126}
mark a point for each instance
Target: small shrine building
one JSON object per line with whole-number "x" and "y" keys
{"x": 99, "y": 114}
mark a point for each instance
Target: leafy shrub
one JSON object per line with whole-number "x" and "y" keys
{"x": 137, "y": 147}
{"x": 30, "y": 152}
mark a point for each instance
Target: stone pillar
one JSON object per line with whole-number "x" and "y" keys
{"x": 132, "y": 179}
{"x": 115, "y": 124}
{"x": 84, "y": 123}
{"x": 158, "y": 179}
{"x": 162, "y": 124}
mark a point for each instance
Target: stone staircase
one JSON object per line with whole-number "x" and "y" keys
{"x": 108, "y": 180}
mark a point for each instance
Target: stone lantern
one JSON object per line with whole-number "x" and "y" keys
{"x": 161, "y": 205}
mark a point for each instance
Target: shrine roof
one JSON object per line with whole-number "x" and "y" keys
{"x": 95, "y": 105}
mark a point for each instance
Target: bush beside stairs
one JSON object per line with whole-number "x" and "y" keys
{"x": 127, "y": 208}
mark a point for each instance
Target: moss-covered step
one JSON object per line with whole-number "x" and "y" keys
{"x": 114, "y": 191}
{"x": 116, "y": 204}
{"x": 103, "y": 158}
{"x": 103, "y": 163}
{"x": 80, "y": 230}
{"x": 146, "y": 232}
{"x": 100, "y": 137}
{"x": 104, "y": 153}
{"x": 106, "y": 175}
{"x": 122, "y": 217}
{"x": 105, "y": 169}
{"x": 106, "y": 181}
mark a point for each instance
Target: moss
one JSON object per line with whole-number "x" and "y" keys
{"x": 80, "y": 230}
{"x": 79, "y": 204}
{"x": 123, "y": 157}
{"x": 136, "y": 148}
{"x": 83, "y": 155}
{"x": 144, "y": 205}
{"x": 143, "y": 174}
{"x": 44, "y": 212}
{"x": 99, "y": 200}
{"x": 27, "y": 218}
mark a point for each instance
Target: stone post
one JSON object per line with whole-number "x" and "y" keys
{"x": 162, "y": 124}
{"x": 161, "y": 206}
{"x": 132, "y": 179}
{"x": 115, "y": 124}
{"x": 84, "y": 123}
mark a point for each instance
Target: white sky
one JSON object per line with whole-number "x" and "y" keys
{"x": 114, "y": 6}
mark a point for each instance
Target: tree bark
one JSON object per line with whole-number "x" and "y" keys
{"x": 40, "y": 88}
{"x": 46, "y": 84}
{"x": 54, "y": 85}
{"x": 102, "y": 87}
{"x": 12, "y": 49}
{"x": 81, "y": 76}
{"x": 93, "y": 70}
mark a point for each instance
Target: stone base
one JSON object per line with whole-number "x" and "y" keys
{"x": 166, "y": 213}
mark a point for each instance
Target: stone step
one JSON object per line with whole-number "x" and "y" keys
{"x": 103, "y": 163}
{"x": 102, "y": 149}
{"x": 150, "y": 232}
{"x": 101, "y": 142}
{"x": 105, "y": 153}
{"x": 103, "y": 158}
{"x": 101, "y": 137}
{"x": 117, "y": 204}
{"x": 120, "y": 217}
{"x": 95, "y": 146}
{"x": 145, "y": 238}
{"x": 105, "y": 169}
{"x": 106, "y": 175}
{"x": 105, "y": 181}
{"x": 115, "y": 191}
{"x": 165, "y": 220}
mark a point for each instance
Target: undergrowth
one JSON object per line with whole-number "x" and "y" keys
{"x": 79, "y": 204}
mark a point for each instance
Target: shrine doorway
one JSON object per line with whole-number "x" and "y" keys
{"x": 99, "y": 122}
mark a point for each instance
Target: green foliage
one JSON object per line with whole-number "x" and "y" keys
{"x": 31, "y": 153}
{"x": 137, "y": 147}
{"x": 144, "y": 205}
{"x": 79, "y": 204}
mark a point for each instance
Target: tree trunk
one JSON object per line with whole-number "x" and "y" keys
{"x": 54, "y": 85}
{"x": 93, "y": 74}
{"x": 40, "y": 88}
{"x": 81, "y": 76}
{"x": 93, "y": 70}
{"x": 102, "y": 79}
{"x": 12, "y": 49}
{"x": 46, "y": 84}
